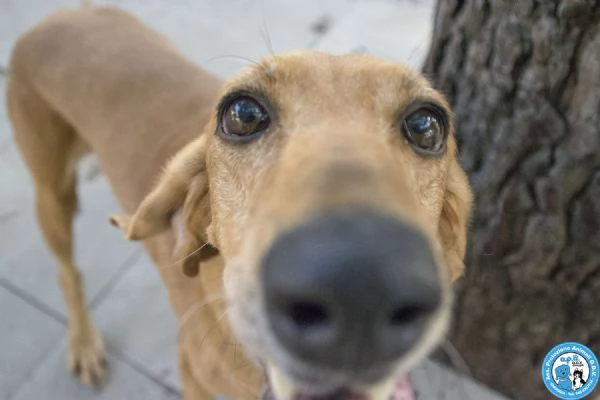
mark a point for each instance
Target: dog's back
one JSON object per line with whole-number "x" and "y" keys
{"x": 109, "y": 83}
{"x": 97, "y": 79}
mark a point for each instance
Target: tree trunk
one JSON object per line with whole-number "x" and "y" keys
{"x": 524, "y": 80}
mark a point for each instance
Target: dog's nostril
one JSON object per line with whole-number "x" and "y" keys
{"x": 308, "y": 314}
{"x": 407, "y": 314}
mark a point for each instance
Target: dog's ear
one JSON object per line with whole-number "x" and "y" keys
{"x": 190, "y": 225}
{"x": 454, "y": 219}
{"x": 153, "y": 215}
{"x": 183, "y": 190}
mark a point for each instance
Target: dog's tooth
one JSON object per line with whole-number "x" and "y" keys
{"x": 382, "y": 391}
{"x": 282, "y": 387}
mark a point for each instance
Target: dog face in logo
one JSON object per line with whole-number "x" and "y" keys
{"x": 562, "y": 371}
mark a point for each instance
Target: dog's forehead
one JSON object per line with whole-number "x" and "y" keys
{"x": 337, "y": 79}
{"x": 335, "y": 70}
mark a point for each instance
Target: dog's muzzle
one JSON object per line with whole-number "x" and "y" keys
{"x": 402, "y": 390}
{"x": 351, "y": 293}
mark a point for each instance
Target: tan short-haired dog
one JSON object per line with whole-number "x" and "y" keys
{"x": 318, "y": 198}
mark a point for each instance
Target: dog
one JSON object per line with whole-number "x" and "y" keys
{"x": 563, "y": 376}
{"x": 578, "y": 380}
{"x": 307, "y": 217}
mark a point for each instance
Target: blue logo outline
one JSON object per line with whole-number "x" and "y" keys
{"x": 559, "y": 351}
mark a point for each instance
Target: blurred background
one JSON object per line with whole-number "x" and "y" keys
{"x": 524, "y": 80}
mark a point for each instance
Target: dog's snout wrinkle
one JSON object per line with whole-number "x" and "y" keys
{"x": 349, "y": 290}
{"x": 347, "y": 172}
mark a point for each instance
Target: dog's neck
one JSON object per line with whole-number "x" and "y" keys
{"x": 215, "y": 342}
{"x": 215, "y": 358}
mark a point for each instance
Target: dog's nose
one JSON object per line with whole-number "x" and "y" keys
{"x": 352, "y": 290}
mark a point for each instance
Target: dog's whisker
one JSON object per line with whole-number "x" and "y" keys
{"x": 455, "y": 357}
{"x": 237, "y": 381}
{"x": 233, "y": 377}
{"x": 243, "y": 366}
{"x": 259, "y": 65}
{"x": 264, "y": 32}
{"x": 194, "y": 308}
{"x": 177, "y": 262}
{"x": 226, "y": 56}
{"x": 214, "y": 325}
{"x": 197, "y": 306}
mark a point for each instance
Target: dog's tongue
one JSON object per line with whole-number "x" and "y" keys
{"x": 402, "y": 391}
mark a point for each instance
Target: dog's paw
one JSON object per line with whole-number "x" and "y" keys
{"x": 86, "y": 358}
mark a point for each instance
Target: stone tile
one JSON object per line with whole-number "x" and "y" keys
{"x": 433, "y": 381}
{"x": 137, "y": 321}
{"x": 18, "y": 16}
{"x": 5, "y": 132}
{"x": 27, "y": 335}
{"x": 15, "y": 184}
{"x": 209, "y": 29}
{"x": 52, "y": 381}
{"x": 398, "y": 30}
{"x": 203, "y": 30}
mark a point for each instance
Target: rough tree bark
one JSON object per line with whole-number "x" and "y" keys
{"x": 524, "y": 80}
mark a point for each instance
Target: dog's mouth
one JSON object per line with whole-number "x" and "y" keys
{"x": 280, "y": 387}
{"x": 402, "y": 389}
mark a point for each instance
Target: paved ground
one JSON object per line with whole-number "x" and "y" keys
{"x": 128, "y": 301}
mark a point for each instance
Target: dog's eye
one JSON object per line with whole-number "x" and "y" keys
{"x": 243, "y": 118}
{"x": 425, "y": 129}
